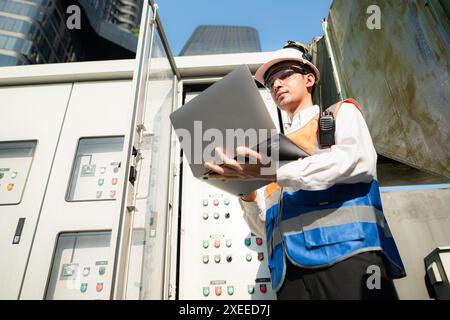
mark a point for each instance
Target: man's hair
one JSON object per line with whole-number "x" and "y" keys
{"x": 303, "y": 66}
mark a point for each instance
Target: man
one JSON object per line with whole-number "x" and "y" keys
{"x": 326, "y": 233}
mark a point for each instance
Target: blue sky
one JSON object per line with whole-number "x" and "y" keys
{"x": 276, "y": 21}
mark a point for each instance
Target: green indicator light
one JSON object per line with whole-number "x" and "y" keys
{"x": 83, "y": 287}
{"x": 251, "y": 289}
{"x": 205, "y": 203}
{"x": 205, "y": 292}
{"x": 227, "y": 201}
{"x": 248, "y": 242}
{"x": 205, "y": 244}
{"x": 230, "y": 291}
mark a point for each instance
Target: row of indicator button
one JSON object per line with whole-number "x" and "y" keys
{"x": 101, "y": 181}
{"x": 69, "y": 271}
{"x": 248, "y": 241}
{"x": 249, "y": 257}
{"x": 230, "y": 290}
{"x": 98, "y": 288}
{"x": 13, "y": 175}
{"x": 218, "y": 291}
{"x": 229, "y": 258}
{"x": 103, "y": 170}
{"x": 262, "y": 288}
{"x": 90, "y": 169}
{"x": 217, "y": 258}
{"x": 216, "y": 215}
{"x": 216, "y": 243}
{"x": 99, "y": 193}
{"x": 215, "y": 202}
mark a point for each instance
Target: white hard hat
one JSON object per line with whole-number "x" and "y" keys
{"x": 287, "y": 54}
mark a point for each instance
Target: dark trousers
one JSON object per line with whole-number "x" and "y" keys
{"x": 345, "y": 280}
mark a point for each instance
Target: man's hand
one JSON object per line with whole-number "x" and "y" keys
{"x": 233, "y": 170}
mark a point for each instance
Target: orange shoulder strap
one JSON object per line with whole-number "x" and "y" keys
{"x": 270, "y": 189}
{"x": 338, "y": 105}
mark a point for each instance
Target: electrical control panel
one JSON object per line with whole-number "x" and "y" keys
{"x": 80, "y": 267}
{"x": 220, "y": 259}
{"x": 96, "y": 169}
{"x": 15, "y": 164}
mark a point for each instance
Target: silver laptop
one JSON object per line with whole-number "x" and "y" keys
{"x": 227, "y": 115}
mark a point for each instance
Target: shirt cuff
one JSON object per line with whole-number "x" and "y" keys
{"x": 288, "y": 173}
{"x": 250, "y": 207}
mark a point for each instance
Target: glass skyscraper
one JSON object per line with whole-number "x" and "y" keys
{"x": 212, "y": 39}
{"x": 35, "y": 31}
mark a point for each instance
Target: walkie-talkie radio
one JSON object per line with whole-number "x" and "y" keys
{"x": 327, "y": 129}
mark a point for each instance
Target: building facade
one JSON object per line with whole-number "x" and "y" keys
{"x": 210, "y": 39}
{"x": 35, "y": 32}
{"x": 124, "y": 13}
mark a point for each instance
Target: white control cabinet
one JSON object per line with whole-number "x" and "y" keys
{"x": 219, "y": 257}
{"x": 83, "y": 191}
{"x": 29, "y": 136}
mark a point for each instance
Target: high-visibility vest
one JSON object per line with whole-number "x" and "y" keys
{"x": 316, "y": 229}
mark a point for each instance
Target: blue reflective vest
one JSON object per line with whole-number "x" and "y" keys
{"x": 320, "y": 228}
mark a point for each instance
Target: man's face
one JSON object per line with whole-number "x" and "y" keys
{"x": 289, "y": 89}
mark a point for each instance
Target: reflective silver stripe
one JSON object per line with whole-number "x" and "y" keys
{"x": 276, "y": 240}
{"x": 332, "y": 217}
{"x": 327, "y": 218}
{"x": 273, "y": 199}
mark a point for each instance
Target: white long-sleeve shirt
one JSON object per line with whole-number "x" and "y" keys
{"x": 352, "y": 159}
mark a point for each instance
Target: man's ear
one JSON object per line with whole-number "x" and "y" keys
{"x": 310, "y": 80}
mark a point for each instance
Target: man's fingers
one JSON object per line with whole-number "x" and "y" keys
{"x": 214, "y": 167}
{"x": 224, "y": 172}
{"x": 216, "y": 176}
{"x": 230, "y": 163}
{"x": 249, "y": 153}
